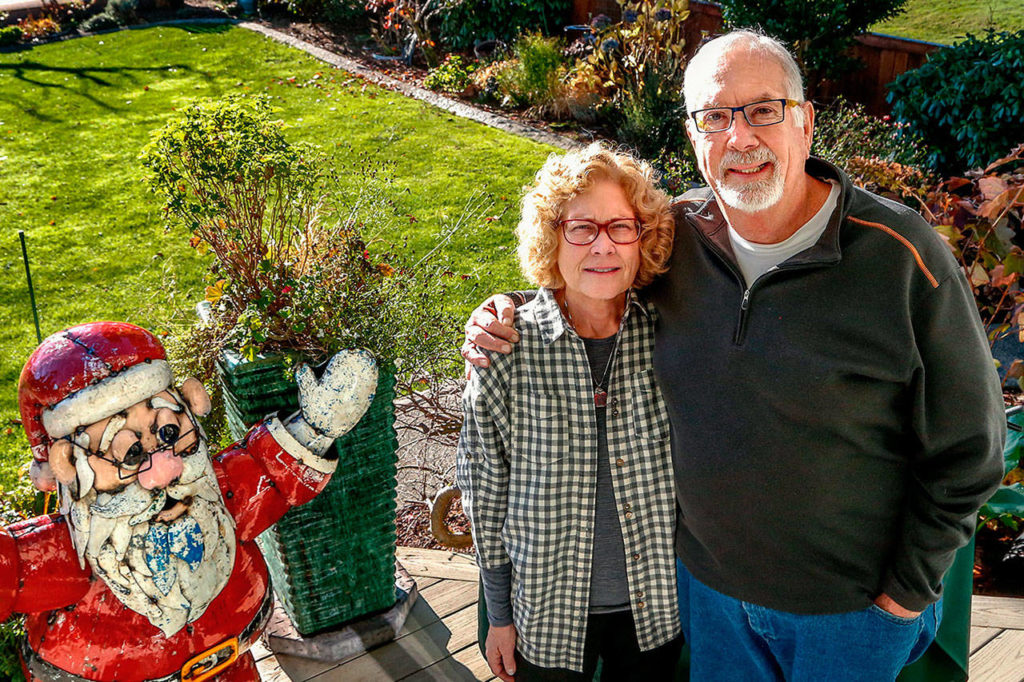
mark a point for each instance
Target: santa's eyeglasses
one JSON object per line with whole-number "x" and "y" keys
{"x": 137, "y": 460}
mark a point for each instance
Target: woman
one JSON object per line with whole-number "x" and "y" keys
{"x": 564, "y": 459}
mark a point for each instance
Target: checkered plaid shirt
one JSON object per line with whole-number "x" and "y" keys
{"x": 527, "y": 467}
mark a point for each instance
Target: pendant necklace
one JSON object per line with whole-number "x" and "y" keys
{"x": 600, "y": 386}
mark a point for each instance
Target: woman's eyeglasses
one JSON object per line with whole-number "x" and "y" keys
{"x": 583, "y": 232}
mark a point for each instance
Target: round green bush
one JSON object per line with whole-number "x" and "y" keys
{"x": 98, "y": 22}
{"x": 967, "y": 101}
{"x": 9, "y": 35}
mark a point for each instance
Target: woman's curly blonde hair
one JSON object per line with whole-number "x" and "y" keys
{"x": 563, "y": 177}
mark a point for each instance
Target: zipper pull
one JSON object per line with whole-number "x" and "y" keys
{"x": 746, "y": 300}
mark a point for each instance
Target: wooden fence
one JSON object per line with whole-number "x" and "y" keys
{"x": 884, "y": 57}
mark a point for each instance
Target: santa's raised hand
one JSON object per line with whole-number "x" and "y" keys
{"x": 331, "y": 405}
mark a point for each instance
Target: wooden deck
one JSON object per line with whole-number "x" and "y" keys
{"x": 439, "y": 638}
{"x": 438, "y": 641}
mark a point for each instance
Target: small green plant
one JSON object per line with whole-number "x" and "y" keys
{"x": 9, "y": 35}
{"x": 534, "y": 77}
{"x": 454, "y": 75}
{"x": 966, "y": 102}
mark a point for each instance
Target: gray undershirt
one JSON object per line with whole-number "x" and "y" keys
{"x": 609, "y": 589}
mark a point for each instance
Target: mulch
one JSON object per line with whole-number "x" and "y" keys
{"x": 413, "y": 526}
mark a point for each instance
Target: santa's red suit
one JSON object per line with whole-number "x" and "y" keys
{"x": 78, "y": 630}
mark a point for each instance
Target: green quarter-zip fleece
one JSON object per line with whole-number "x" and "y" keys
{"x": 835, "y": 425}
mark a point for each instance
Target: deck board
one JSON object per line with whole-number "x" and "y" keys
{"x": 438, "y": 641}
{"x": 997, "y": 612}
{"x": 438, "y": 564}
{"x": 1001, "y": 660}
{"x": 982, "y": 636}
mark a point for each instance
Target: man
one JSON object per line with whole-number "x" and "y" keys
{"x": 151, "y": 571}
{"x": 836, "y": 416}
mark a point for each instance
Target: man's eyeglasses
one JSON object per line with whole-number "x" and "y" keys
{"x": 136, "y": 460}
{"x": 767, "y": 112}
{"x": 583, "y": 232}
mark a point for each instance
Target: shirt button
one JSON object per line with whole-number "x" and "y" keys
{"x": 615, "y": 412}
{"x": 620, "y": 462}
{"x": 615, "y": 401}
{"x": 627, "y": 506}
{"x": 640, "y": 594}
{"x": 641, "y": 604}
{"x": 629, "y": 515}
{"x": 636, "y": 557}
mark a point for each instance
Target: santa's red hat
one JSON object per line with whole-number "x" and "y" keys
{"x": 87, "y": 373}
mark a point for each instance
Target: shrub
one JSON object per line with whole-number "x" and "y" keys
{"x": 124, "y": 12}
{"x": 98, "y": 22}
{"x": 9, "y": 35}
{"x": 643, "y": 57}
{"x": 471, "y": 21}
{"x": 677, "y": 172}
{"x": 967, "y": 101}
{"x": 539, "y": 62}
{"x": 12, "y": 632}
{"x": 331, "y": 11}
{"x": 818, "y": 31}
{"x": 452, "y": 76}
{"x": 292, "y": 270}
{"x": 406, "y": 24}
{"x": 844, "y": 130}
{"x": 38, "y": 28}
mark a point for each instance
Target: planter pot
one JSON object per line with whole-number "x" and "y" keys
{"x": 331, "y": 560}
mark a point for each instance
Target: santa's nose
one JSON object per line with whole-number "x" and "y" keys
{"x": 165, "y": 466}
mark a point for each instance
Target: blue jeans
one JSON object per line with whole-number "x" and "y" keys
{"x": 732, "y": 640}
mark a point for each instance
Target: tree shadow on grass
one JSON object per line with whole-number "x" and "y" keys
{"x": 29, "y": 73}
{"x": 203, "y": 28}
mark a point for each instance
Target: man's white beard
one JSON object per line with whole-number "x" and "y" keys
{"x": 750, "y": 197}
{"x": 126, "y": 547}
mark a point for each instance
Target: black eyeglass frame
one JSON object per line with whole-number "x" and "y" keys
{"x": 146, "y": 463}
{"x": 786, "y": 103}
{"x": 602, "y": 226}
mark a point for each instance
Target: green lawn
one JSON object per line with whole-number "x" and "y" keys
{"x": 946, "y": 21}
{"x": 74, "y": 115}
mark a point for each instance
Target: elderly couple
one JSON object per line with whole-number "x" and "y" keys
{"x": 814, "y": 351}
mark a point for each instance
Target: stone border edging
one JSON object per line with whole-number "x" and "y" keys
{"x": 452, "y": 106}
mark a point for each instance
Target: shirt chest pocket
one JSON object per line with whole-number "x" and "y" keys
{"x": 540, "y": 429}
{"x": 650, "y": 416}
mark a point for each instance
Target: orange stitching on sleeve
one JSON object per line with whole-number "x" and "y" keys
{"x": 903, "y": 240}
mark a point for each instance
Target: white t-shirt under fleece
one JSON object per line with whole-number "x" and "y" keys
{"x": 756, "y": 259}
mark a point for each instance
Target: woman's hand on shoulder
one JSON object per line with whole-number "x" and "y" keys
{"x": 501, "y": 651}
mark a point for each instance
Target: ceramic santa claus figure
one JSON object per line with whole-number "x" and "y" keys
{"x": 151, "y": 570}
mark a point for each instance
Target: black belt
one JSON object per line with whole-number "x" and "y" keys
{"x": 197, "y": 668}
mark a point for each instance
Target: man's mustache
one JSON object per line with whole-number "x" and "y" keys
{"x": 758, "y": 155}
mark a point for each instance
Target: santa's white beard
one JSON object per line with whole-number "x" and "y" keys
{"x": 167, "y": 572}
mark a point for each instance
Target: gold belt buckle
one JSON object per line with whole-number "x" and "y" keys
{"x": 210, "y": 662}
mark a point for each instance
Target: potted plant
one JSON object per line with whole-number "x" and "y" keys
{"x": 293, "y": 276}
